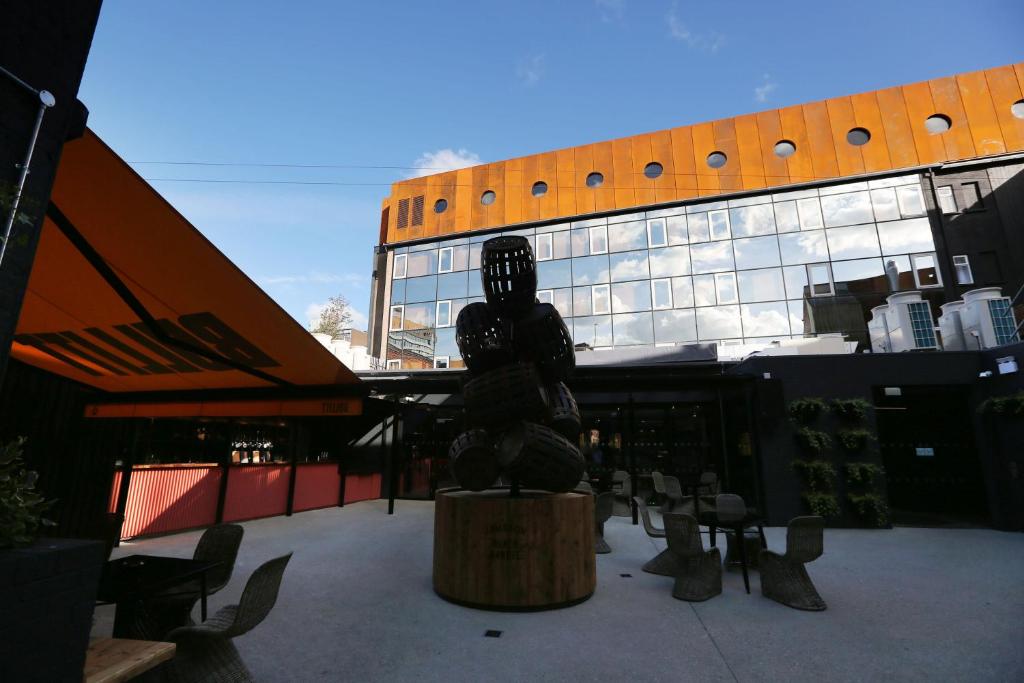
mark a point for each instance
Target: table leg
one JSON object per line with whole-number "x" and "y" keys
{"x": 760, "y": 532}
{"x": 202, "y": 586}
{"x": 123, "y": 616}
{"x": 741, "y": 541}
{"x": 713, "y": 530}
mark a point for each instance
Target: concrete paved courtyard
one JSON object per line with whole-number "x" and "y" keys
{"x": 356, "y": 604}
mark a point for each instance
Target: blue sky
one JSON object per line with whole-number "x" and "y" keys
{"x": 412, "y": 84}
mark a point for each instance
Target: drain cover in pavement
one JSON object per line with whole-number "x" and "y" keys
{"x": 492, "y": 634}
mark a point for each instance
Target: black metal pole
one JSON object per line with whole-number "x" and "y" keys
{"x": 631, "y": 454}
{"x": 393, "y": 458}
{"x": 292, "y": 472}
{"x": 222, "y": 491}
{"x": 726, "y": 482}
{"x": 126, "y": 477}
{"x": 341, "y": 484}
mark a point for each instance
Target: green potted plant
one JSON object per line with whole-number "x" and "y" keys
{"x": 806, "y": 410}
{"x": 21, "y": 507}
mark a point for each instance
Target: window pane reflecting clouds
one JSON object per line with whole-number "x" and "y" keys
{"x": 675, "y": 326}
{"x": 796, "y": 318}
{"x": 563, "y": 302}
{"x": 551, "y": 274}
{"x": 786, "y": 219}
{"x": 682, "y": 292}
{"x": 762, "y": 320}
{"x": 761, "y": 285}
{"x": 421, "y": 289}
{"x": 593, "y": 331}
{"x": 590, "y": 270}
{"x": 711, "y": 257}
{"x": 626, "y": 236}
{"x": 862, "y": 275}
{"x": 756, "y": 252}
{"x": 698, "y": 227}
{"x": 581, "y": 301}
{"x": 796, "y": 281}
{"x": 704, "y": 290}
{"x": 854, "y": 242}
{"x": 628, "y": 297}
{"x": 670, "y": 261}
{"x": 453, "y": 285}
{"x": 803, "y": 247}
{"x": 419, "y": 316}
{"x": 719, "y": 322}
{"x": 631, "y": 265}
{"x": 884, "y": 202}
{"x": 902, "y": 237}
{"x": 810, "y": 213}
{"x": 846, "y": 209}
{"x": 677, "y": 232}
{"x": 633, "y": 328}
{"x": 422, "y": 263}
{"x": 752, "y": 220}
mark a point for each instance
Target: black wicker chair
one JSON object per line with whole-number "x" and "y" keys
{"x": 539, "y": 457}
{"x": 509, "y": 276}
{"x": 483, "y": 342}
{"x": 698, "y": 574}
{"x": 602, "y": 513}
{"x": 784, "y": 578}
{"x": 473, "y": 460}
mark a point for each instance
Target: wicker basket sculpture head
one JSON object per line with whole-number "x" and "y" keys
{"x": 509, "y": 276}
{"x": 518, "y": 352}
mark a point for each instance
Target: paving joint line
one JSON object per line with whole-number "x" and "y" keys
{"x": 715, "y": 643}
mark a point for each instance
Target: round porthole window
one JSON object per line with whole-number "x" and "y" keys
{"x": 784, "y": 148}
{"x": 937, "y": 123}
{"x": 440, "y": 205}
{"x": 540, "y": 188}
{"x": 595, "y": 179}
{"x": 858, "y": 136}
{"x": 1017, "y": 109}
{"x": 717, "y": 159}
{"x": 653, "y": 170}
{"x": 487, "y": 198}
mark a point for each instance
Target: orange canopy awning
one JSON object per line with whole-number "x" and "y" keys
{"x": 127, "y": 296}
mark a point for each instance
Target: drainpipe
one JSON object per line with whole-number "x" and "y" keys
{"x": 46, "y": 100}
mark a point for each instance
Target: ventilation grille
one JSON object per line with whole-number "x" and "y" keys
{"x": 403, "y": 213}
{"x": 417, "y": 210}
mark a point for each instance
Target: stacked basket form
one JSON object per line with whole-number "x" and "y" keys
{"x": 525, "y": 422}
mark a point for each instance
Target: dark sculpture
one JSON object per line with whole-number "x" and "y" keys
{"x": 525, "y": 422}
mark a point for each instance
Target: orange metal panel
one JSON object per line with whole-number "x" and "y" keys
{"x": 981, "y": 114}
{"x": 478, "y": 212}
{"x": 495, "y": 213}
{"x": 725, "y": 140}
{"x": 946, "y": 96}
{"x": 1005, "y": 90}
{"x": 566, "y": 163}
{"x": 683, "y": 160}
{"x": 586, "y": 200}
{"x": 898, "y": 136}
{"x": 173, "y": 498}
{"x": 431, "y": 219}
{"x": 769, "y": 130}
{"x": 316, "y": 486}
{"x": 749, "y": 143}
{"x": 463, "y": 199}
{"x": 528, "y": 176}
{"x": 918, "y": 98}
{"x": 867, "y": 115}
{"x": 256, "y": 491}
{"x": 640, "y": 146}
{"x": 622, "y": 164}
{"x": 708, "y": 182}
{"x": 841, "y": 120}
{"x": 794, "y": 128}
{"x": 549, "y": 174}
{"x": 661, "y": 151}
{"x": 604, "y": 196}
{"x": 823, "y": 146}
{"x": 447, "y": 191}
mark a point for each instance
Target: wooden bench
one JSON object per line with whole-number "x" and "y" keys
{"x": 112, "y": 660}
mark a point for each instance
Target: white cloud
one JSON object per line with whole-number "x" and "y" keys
{"x": 710, "y": 41}
{"x": 610, "y": 10}
{"x": 530, "y": 70}
{"x": 446, "y": 159}
{"x": 767, "y": 87}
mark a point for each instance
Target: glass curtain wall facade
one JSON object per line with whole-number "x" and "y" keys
{"x": 749, "y": 270}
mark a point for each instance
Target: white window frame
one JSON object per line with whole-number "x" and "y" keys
{"x": 393, "y": 364}
{"x": 545, "y": 238}
{"x": 401, "y": 318}
{"x": 550, "y": 293}
{"x": 803, "y": 214}
{"x": 654, "y": 298}
{"x": 664, "y": 231}
{"x": 404, "y": 260}
{"x": 938, "y": 271}
{"x": 946, "y": 192}
{"x": 810, "y": 280}
{"x": 598, "y": 230}
{"x": 593, "y": 299}
{"x": 718, "y": 290}
{"x": 437, "y": 313}
{"x": 451, "y": 259}
{"x": 900, "y": 202}
{"x": 442, "y": 359}
{"x": 964, "y": 262}
{"x": 711, "y": 225}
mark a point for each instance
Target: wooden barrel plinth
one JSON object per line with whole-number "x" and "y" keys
{"x": 533, "y": 552}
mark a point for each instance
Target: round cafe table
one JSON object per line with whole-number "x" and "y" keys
{"x": 752, "y": 519}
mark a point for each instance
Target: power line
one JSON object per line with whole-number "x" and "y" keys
{"x": 282, "y": 165}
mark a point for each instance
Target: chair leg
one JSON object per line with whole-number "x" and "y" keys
{"x": 207, "y": 659}
{"x": 788, "y": 583}
{"x": 601, "y": 546}
{"x": 700, "y": 577}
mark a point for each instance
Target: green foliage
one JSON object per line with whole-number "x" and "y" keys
{"x": 853, "y": 439}
{"x": 822, "y": 504}
{"x": 862, "y": 473}
{"x": 806, "y": 410}
{"x": 335, "y": 316}
{"x": 852, "y": 409}
{"x": 871, "y": 508}
{"x": 819, "y": 474}
{"x": 1008, "y": 406}
{"x": 813, "y": 441}
{"x": 21, "y": 508}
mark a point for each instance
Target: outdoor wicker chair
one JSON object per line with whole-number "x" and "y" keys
{"x": 708, "y": 490}
{"x": 173, "y": 607}
{"x": 658, "y": 479}
{"x": 698, "y": 572}
{"x": 622, "y": 487}
{"x": 732, "y": 509}
{"x": 645, "y": 517}
{"x": 205, "y": 651}
{"x": 603, "y": 504}
{"x": 674, "y": 496}
{"x": 784, "y": 578}
{"x": 584, "y": 486}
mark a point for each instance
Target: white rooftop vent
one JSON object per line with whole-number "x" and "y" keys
{"x": 951, "y": 328}
{"x": 904, "y": 324}
{"x": 987, "y": 319}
